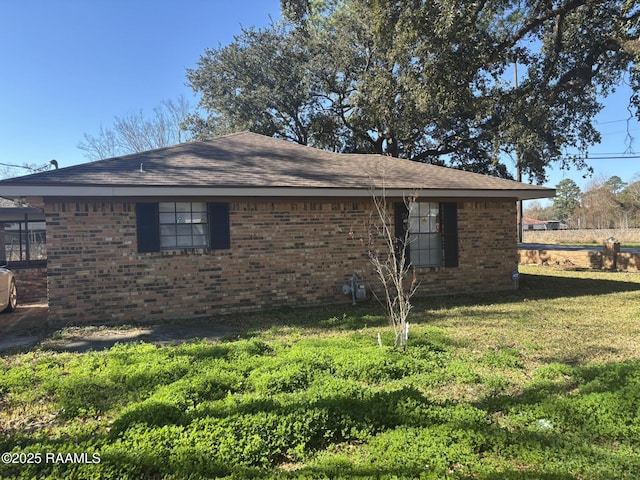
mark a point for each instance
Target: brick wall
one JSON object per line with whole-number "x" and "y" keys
{"x": 563, "y": 258}
{"x": 628, "y": 262}
{"x": 31, "y": 284}
{"x": 284, "y": 252}
{"x": 487, "y": 249}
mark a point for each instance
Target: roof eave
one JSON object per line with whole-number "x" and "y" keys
{"x": 114, "y": 191}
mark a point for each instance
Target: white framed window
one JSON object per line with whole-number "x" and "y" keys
{"x": 425, "y": 239}
{"x": 183, "y": 225}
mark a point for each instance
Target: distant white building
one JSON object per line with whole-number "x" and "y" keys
{"x": 533, "y": 224}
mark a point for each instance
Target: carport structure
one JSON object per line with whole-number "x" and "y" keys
{"x": 23, "y": 241}
{"x": 23, "y": 234}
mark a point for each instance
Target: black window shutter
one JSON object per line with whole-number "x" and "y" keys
{"x": 401, "y": 221}
{"x": 219, "y": 228}
{"x": 449, "y": 219}
{"x": 148, "y": 227}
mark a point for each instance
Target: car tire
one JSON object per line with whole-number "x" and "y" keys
{"x": 13, "y": 297}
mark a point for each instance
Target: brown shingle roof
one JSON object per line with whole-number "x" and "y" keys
{"x": 248, "y": 160}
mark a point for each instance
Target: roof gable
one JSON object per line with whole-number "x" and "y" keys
{"x": 244, "y": 161}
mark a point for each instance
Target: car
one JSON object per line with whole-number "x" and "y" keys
{"x": 8, "y": 291}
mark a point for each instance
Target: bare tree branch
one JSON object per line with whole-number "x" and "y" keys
{"x": 388, "y": 255}
{"x": 136, "y": 132}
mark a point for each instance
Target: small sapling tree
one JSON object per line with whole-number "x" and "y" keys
{"x": 389, "y": 255}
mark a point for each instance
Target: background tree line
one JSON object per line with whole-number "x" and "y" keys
{"x": 605, "y": 203}
{"x": 428, "y": 81}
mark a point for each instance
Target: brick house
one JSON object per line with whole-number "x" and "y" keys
{"x": 245, "y": 222}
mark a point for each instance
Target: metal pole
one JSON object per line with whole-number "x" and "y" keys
{"x": 20, "y": 240}
{"x": 27, "y": 243}
{"x": 518, "y": 167}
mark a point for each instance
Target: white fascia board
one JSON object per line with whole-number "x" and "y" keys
{"x": 14, "y": 191}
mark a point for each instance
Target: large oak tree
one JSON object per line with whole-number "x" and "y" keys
{"x": 432, "y": 81}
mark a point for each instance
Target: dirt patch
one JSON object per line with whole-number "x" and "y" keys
{"x": 82, "y": 339}
{"x": 26, "y": 328}
{"x": 27, "y": 317}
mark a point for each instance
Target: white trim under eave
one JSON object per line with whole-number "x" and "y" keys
{"x": 15, "y": 191}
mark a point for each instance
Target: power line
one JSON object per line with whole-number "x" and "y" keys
{"x": 612, "y": 157}
{"x": 616, "y": 121}
{"x": 612, "y": 154}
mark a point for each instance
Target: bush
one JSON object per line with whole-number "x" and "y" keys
{"x": 217, "y": 446}
{"x": 505, "y": 357}
{"x": 292, "y": 405}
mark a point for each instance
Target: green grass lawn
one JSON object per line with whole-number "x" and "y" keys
{"x": 540, "y": 383}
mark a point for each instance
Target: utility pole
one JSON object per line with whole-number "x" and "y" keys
{"x": 518, "y": 167}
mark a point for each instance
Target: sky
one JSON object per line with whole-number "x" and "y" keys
{"x": 68, "y": 67}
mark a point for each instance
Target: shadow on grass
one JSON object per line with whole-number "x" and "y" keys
{"x": 342, "y": 317}
{"x": 535, "y": 287}
{"x": 558, "y": 380}
{"x": 567, "y": 423}
{"x": 88, "y": 338}
{"x": 372, "y": 313}
{"x": 541, "y": 286}
{"x": 346, "y": 471}
{"x": 552, "y": 430}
